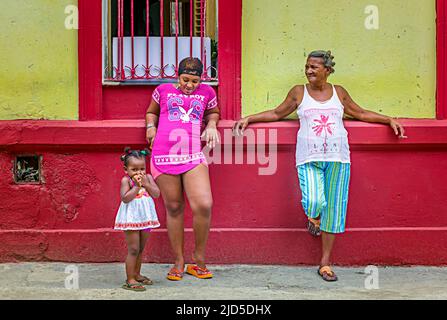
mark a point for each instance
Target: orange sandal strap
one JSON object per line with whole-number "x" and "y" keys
{"x": 327, "y": 274}
{"x": 201, "y": 271}
{"x": 175, "y": 272}
{"x": 195, "y": 270}
{"x": 326, "y": 269}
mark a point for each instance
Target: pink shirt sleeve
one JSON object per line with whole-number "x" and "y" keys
{"x": 212, "y": 102}
{"x": 156, "y": 95}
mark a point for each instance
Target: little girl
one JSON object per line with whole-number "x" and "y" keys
{"x": 136, "y": 214}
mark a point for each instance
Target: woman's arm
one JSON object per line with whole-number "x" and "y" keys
{"x": 210, "y": 134}
{"x": 211, "y": 115}
{"x": 152, "y": 114}
{"x": 354, "y": 110}
{"x": 127, "y": 193}
{"x": 289, "y": 105}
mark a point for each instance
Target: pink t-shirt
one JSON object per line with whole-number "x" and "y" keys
{"x": 177, "y": 145}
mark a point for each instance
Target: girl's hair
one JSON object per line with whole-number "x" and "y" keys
{"x": 192, "y": 66}
{"x": 129, "y": 153}
{"x": 328, "y": 58}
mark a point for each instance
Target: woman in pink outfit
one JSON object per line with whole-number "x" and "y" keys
{"x": 173, "y": 131}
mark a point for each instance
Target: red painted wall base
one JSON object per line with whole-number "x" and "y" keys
{"x": 396, "y": 214}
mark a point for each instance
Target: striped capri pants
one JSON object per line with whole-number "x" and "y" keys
{"x": 324, "y": 188}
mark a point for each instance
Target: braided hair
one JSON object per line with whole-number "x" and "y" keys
{"x": 328, "y": 58}
{"x": 129, "y": 153}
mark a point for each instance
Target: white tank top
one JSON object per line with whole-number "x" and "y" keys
{"x": 322, "y": 135}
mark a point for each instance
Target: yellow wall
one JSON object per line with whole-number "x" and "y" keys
{"x": 39, "y": 61}
{"x": 390, "y": 70}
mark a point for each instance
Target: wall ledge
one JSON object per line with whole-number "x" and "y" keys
{"x": 113, "y": 133}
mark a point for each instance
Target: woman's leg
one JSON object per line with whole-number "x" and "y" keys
{"x": 172, "y": 193}
{"x": 333, "y": 222}
{"x": 133, "y": 249}
{"x": 313, "y": 200}
{"x": 325, "y": 271}
{"x": 144, "y": 235}
{"x": 198, "y": 190}
{"x": 327, "y": 242}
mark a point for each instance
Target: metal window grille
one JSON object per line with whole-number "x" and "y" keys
{"x": 146, "y": 39}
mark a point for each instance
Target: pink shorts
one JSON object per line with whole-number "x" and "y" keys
{"x": 155, "y": 173}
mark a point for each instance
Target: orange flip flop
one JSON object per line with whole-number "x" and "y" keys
{"x": 174, "y": 274}
{"x": 196, "y": 271}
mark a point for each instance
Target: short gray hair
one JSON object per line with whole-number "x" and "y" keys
{"x": 328, "y": 58}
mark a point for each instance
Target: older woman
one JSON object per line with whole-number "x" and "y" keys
{"x": 322, "y": 151}
{"x": 173, "y": 126}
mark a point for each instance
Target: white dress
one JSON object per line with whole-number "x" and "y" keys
{"x": 138, "y": 214}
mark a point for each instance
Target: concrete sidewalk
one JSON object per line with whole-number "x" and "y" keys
{"x": 230, "y": 282}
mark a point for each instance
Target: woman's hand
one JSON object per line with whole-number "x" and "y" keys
{"x": 239, "y": 126}
{"x": 398, "y": 128}
{"x": 150, "y": 136}
{"x": 211, "y": 136}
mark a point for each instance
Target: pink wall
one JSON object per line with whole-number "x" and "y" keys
{"x": 396, "y": 215}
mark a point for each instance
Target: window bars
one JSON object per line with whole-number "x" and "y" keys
{"x": 155, "y": 56}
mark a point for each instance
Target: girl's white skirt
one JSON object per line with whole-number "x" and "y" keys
{"x": 137, "y": 214}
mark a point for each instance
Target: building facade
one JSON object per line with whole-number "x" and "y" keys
{"x": 66, "y": 115}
